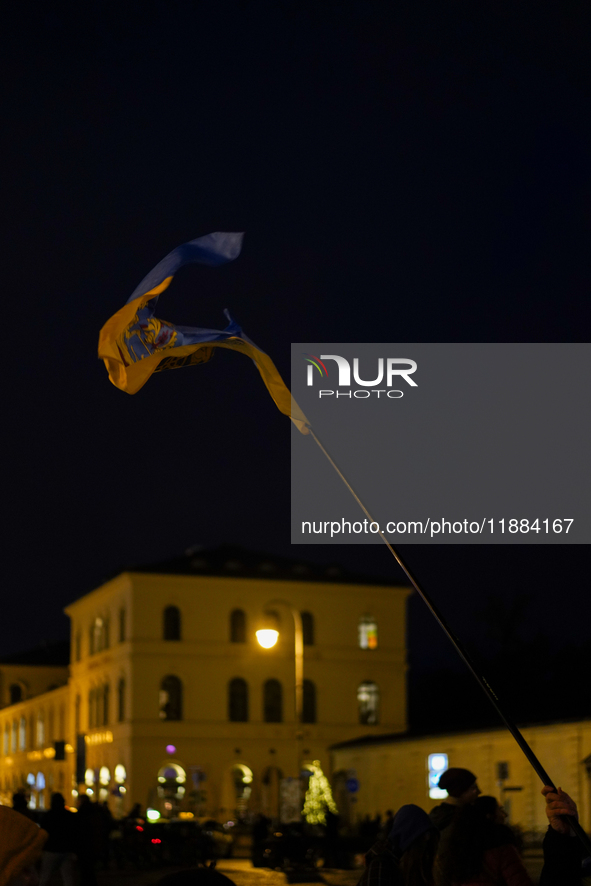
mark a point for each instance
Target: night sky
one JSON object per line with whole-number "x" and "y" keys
{"x": 417, "y": 176}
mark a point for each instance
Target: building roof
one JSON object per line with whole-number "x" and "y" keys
{"x": 415, "y": 735}
{"x": 233, "y": 560}
{"x": 48, "y": 654}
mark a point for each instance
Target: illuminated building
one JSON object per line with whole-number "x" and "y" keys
{"x": 171, "y": 702}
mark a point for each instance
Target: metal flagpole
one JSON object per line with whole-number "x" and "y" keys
{"x": 483, "y": 682}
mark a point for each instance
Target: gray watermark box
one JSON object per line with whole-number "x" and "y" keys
{"x": 443, "y": 443}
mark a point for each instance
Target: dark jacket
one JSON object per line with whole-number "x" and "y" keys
{"x": 563, "y": 856}
{"x": 61, "y": 827}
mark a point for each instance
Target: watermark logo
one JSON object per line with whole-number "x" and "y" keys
{"x": 315, "y": 362}
{"x": 388, "y": 370}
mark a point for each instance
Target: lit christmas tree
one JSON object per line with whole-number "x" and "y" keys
{"x": 318, "y": 797}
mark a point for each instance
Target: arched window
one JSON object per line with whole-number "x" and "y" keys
{"x": 91, "y": 710}
{"x": 122, "y": 625}
{"x": 171, "y": 699}
{"x": 121, "y": 700}
{"x": 98, "y": 635}
{"x": 40, "y": 729}
{"x": 368, "y": 698}
{"x": 272, "y": 702}
{"x": 171, "y": 623}
{"x": 104, "y": 705}
{"x": 238, "y": 700}
{"x": 238, "y": 626}
{"x": 309, "y": 705}
{"x": 308, "y": 628}
{"x": 16, "y": 693}
{"x": 368, "y": 632}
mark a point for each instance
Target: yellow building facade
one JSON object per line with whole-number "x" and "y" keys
{"x": 393, "y": 770}
{"x": 171, "y": 702}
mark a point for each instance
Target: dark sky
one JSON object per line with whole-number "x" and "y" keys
{"x": 421, "y": 175}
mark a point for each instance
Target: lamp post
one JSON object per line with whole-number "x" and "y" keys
{"x": 267, "y": 638}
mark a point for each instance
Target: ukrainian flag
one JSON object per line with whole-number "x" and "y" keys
{"x": 134, "y": 343}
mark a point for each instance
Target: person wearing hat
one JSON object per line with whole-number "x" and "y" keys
{"x": 21, "y": 843}
{"x": 462, "y": 790}
{"x": 407, "y": 854}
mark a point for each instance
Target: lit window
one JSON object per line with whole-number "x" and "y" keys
{"x": 368, "y": 632}
{"x": 120, "y": 773}
{"x": 171, "y": 699}
{"x": 98, "y": 635}
{"x": 6, "y": 746}
{"x": 22, "y": 734}
{"x": 436, "y": 765}
{"x": 14, "y": 736}
{"x": 237, "y": 626}
{"x": 40, "y": 781}
{"x": 40, "y": 730}
{"x": 89, "y": 777}
{"x": 272, "y": 702}
{"x": 238, "y": 701}
{"x": 171, "y": 618}
{"x": 368, "y": 697}
{"x": 104, "y": 775}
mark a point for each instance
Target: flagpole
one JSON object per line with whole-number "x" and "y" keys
{"x": 482, "y": 681}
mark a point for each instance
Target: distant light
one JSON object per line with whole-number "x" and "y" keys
{"x": 437, "y": 793}
{"x": 152, "y": 815}
{"x": 138, "y": 827}
{"x": 267, "y": 637}
{"x": 170, "y": 749}
{"x": 122, "y": 790}
{"x": 156, "y": 840}
{"x": 89, "y": 791}
{"x": 438, "y": 762}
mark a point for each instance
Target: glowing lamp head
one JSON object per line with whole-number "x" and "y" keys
{"x": 267, "y": 637}
{"x": 152, "y": 815}
{"x": 170, "y": 749}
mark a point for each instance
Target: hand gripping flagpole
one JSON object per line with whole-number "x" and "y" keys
{"x": 483, "y": 682}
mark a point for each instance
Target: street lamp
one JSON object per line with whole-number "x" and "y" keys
{"x": 267, "y": 637}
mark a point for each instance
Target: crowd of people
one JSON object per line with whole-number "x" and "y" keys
{"x": 464, "y": 841}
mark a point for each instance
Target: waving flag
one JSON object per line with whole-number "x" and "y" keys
{"x": 134, "y": 343}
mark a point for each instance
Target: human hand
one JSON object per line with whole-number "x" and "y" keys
{"x": 559, "y": 804}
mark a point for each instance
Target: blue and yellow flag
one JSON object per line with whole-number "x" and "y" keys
{"x": 134, "y": 343}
